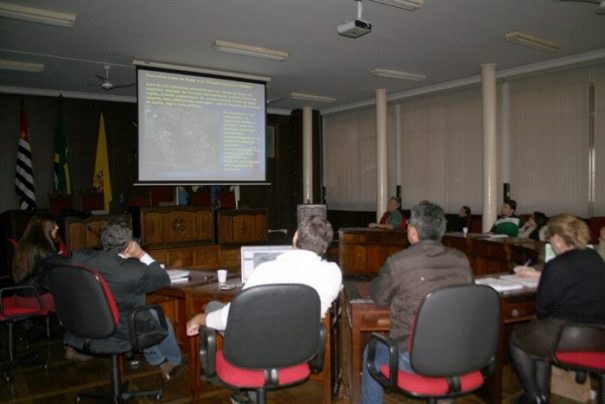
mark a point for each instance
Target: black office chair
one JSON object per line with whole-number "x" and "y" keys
{"x": 581, "y": 347}
{"x": 13, "y": 311}
{"x": 87, "y": 310}
{"x": 274, "y": 338}
{"x": 452, "y": 345}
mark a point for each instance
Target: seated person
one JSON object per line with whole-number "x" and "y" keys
{"x": 570, "y": 289}
{"x": 535, "y": 227}
{"x": 508, "y": 223}
{"x": 131, "y": 273}
{"x": 302, "y": 265}
{"x": 391, "y": 219}
{"x": 406, "y": 277}
{"x": 462, "y": 220}
{"x": 38, "y": 251}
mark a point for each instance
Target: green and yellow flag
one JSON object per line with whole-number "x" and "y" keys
{"x": 61, "y": 163}
{"x": 101, "y": 179}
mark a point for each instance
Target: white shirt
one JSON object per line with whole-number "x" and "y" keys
{"x": 295, "y": 266}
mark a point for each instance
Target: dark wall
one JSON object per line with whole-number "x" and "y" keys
{"x": 81, "y": 120}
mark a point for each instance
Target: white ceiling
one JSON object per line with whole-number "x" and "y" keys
{"x": 446, "y": 40}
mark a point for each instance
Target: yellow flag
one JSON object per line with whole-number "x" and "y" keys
{"x": 101, "y": 179}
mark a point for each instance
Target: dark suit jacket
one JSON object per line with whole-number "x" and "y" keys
{"x": 129, "y": 281}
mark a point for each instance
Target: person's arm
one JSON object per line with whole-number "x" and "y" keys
{"x": 601, "y": 246}
{"x": 216, "y": 319}
{"x": 550, "y": 290}
{"x": 382, "y": 287}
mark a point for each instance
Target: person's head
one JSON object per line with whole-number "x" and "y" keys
{"x": 508, "y": 207}
{"x": 37, "y": 241}
{"x": 427, "y": 222}
{"x": 465, "y": 211}
{"x": 315, "y": 234}
{"x": 566, "y": 231}
{"x": 393, "y": 204}
{"x": 539, "y": 218}
{"x": 115, "y": 237}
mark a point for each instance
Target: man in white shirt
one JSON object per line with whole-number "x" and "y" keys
{"x": 302, "y": 265}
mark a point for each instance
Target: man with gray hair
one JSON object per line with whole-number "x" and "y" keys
{"x": 131, "y": 273}
{"x": 408, "y": 276}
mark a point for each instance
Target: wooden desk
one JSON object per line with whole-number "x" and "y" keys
{"x": 364, "y": 317}
{"x": 181, "y": 301}
{"x": 177, "y": 302}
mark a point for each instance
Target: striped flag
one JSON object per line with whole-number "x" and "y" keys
{"x": 101, "y": 179}
{"x": 61, "y": 163}
{"x": 24, "y": 179}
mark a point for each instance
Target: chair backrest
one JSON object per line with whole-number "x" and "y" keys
{"x": 455, "y": 331}
{"x": 84, "y": 303}
{"x": 273, "y": 326}
{"x": 581, "y": 337}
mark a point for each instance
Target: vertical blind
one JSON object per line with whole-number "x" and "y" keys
{"x": 442, "y": 147}
{"x": 599, "y": 139}
{"x": 549, "y": 142}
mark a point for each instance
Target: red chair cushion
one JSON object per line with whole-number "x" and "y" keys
{"x": 250, "y": 378}
{"x": 11, "y": 309}
{"x": 583, "y": 359}
{"x": 433, "y": 386}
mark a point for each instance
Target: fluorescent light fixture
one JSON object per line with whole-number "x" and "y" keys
{"x": 410, "y": 5}
{"x": 312, "y": 97}
{"x": 397, "y": 74}
{"x": 531, "y": 40}
{"x": 249, "y": 50}
{"x": 37, "y": 15}
{"x": 21, "y": 66}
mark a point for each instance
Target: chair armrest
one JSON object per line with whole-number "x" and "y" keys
{"x": 375, "y": 339}
{"x": 208, "y": 351}
{"x": 134, "y": 334}
{"x": 317, "y": 363}
{"x": 14, "y": 290}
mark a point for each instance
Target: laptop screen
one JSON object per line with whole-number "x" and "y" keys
{"x": 253, "y": 256}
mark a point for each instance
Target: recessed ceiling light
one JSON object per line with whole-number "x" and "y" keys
{"x": 531, "y": 40}
{"x": 21, "y": 66}
{"x": 312, "y": 97}
{"x": 397, "y": 74}
{"x": 37, "y": 15}
{"x": 249, "y": 50}
{"x": 410, "y": 5}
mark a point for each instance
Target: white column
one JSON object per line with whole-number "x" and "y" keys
{"x": 505, "y": 134}
{"x": 490, "y": 147}
{"x": 381, "y": 152}
{"x": 307, "y": 125}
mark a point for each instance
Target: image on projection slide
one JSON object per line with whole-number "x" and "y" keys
{"x": 197, "y": 148}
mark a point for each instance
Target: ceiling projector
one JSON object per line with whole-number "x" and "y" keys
{"x": 354, "y": 29}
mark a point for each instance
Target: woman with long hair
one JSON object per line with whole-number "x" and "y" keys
{"x": 571, "y": 289}
{"x": 37, "y": 252}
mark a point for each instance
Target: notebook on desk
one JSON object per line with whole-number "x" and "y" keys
{"x": 178, "y": 275}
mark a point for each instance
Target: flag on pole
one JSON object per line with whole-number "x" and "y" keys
{"x": 101, "y": 179}
{"x": 24, "y": 178}
{"x": 61, "y": 163}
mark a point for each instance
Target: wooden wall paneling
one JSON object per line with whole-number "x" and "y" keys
{"x": 204, "y": 225}
{"x": 178, "y": 226}
{"x": 151, "y": 223}
{"x": 207, "y": 257}
{"x": 260, "y": 227}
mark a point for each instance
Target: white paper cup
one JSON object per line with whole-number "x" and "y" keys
{"x": 222, "y": 275}
{"x": 465, "y": 230}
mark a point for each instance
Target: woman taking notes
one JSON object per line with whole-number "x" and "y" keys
{"x": 571, "y": 289}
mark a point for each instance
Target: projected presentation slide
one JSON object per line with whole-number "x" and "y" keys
{"x": 195, "y": 128}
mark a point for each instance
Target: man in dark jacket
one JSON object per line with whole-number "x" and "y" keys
{"x": 404, "y": 280}
{"x": 131, "y": 273}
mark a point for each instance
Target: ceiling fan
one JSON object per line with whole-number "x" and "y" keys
{"x": 600, "y": 5}
{"x": 107, "y": 84}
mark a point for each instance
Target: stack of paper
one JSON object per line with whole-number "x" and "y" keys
{"x": 531, "y": 283}
{"x": 499, "y": 285}
{"x": 178, "y": 275}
